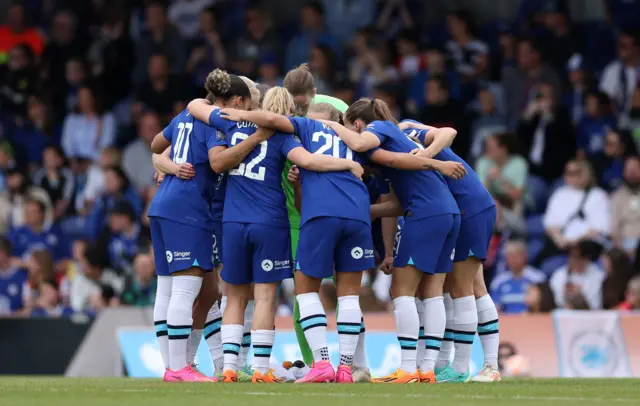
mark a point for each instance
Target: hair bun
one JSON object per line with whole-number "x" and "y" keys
{"x": 218, "y": 82}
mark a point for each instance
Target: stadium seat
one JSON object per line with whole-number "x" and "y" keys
{"x": 550, "y": 265}
{"x": 534, "y": 246}
{"x": 538, "y": 194}
{"x": 535, "y": 228}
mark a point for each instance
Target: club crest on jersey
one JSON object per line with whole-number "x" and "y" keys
{"x": 220, "y": 135}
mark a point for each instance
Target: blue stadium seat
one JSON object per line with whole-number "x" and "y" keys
{"x": 535, "y": 228}
{"x": 538, "y": 192}
{"x": 550, "y": 265}
{"x": 534, "y": 246}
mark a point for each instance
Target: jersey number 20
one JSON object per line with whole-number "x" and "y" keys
{"x": 180, "y": 151}
{"x": 330, "y": 142}
{"x": 247, "y": 169}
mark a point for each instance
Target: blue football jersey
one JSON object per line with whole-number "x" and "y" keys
{"x": 377, "y": 186}
{"x": 470, "y": 194}
{"x": 329, "y": 194}
{"x": 219, "y": 191}
{"x": 421, "y": 193}
{"x": 188, "y": 201}
{"x": 51, "y": 238}
{"x": 254, "y": 189}
{"x": 12, "y": 282}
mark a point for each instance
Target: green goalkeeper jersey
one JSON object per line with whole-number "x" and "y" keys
{"x": 294, "y": 216}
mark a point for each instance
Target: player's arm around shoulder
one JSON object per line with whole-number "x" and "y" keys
{"x": 323, "y": 163}
{"x": 223, "y": 158}
{"x": 357, "y": 142}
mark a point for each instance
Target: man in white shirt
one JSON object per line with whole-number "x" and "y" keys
{"x": 620, "y": 78}
{"x": 88, "y": 284}
{"x": 185, "y": 15}
{"x": 579, "y": 276}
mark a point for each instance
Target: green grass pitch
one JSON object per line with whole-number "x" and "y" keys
{"x": 30, "y": 391}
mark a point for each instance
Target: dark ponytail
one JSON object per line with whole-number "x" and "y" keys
{"x": 369, "y": 110}
{"x": 222, "y": 85}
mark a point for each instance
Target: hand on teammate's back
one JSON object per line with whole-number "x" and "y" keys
{"x": 357, "y": 170}
{"x": 452, "y": 169}
{"x": 185, "y": 171}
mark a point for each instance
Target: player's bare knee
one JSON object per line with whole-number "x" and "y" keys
{"x": 479, "y": 286}
{"x": 348, "y": 283}
{"x": 306, "y": 284}
{"x": 432, "y": 285}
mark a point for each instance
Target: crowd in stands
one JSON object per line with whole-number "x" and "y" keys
{"x": 547, "y": 111}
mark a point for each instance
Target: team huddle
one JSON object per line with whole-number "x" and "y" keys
{"x": 269, "y": 182}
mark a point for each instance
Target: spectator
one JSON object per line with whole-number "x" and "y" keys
{"x": 76, "y": 76}
{"x": 12, "y": 281}
{"x": 442, "y": 111}
{"x": 505, "y": 56}
{"x": 509, "y": 289}
{"x": 56, "y": 179}
{"x": 86, "y": 132}
{"x": 469, "y": 55}
{"x": 625, "y": 208}
{"x": 159, "y": 37}
{"x": 117, "y": 187}
{"x": 559, "y": 40}
{"x": 579, "y": 276}
{"x": 487, "y": 120}
{"x": 578, "y": 210}
{"x": 94, "y": 186}
{"x": 136, "y": 158}
{"x": 595, "y": 124}
{"x": 40, "y": 293}
{"x": 435, "y": 61}
{"x": 258, "y": 40}
{"x": 35, "y": 134}
{"x": 7, "y": 162}
{"x": 547, "y": 134}
{"x": 632, "y": 301}
{"x": 323, "y": 66}
{"x": 17, "y": 81}
{"x": 618, "y": 273}
{"x": 502, "y": 170}
{"x": 16, "y": 32}
{"x": 208, "y": 51}
{"x": 619, "y": 78}
{"x": 520, "y": 81}
{"x": 372, "y": 64}
{"x": 123, "y": 236}
{"x": 112, "y": 57}
{"x": 37, "y": 234}
{"x": 160, "y": 92}
{"x": 409, "y": 61}
{"x": 396, "y": 16}
{"x": 345, "y": 17}
{"x": 579, "y": 84}
{"x": 617, "y": 147}
{"x": 185, "y": 15}
{"x": 140, "y": 288}
{"x": 65, "y": 44}
{"x": 87, "y": 286}
{"x": 312, "y": 32}
{"x": 13, "y": 201}
{"x": 633, "y": 124}
{"x": 269, "y": 71}
{"x": 389, "y": 93}
{"x": 540, "y": 298}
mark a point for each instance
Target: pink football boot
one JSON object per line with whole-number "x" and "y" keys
{"x": 343, "y": 375}
{"x": 321, "y": 372}
{"x": 186, "y": 374}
